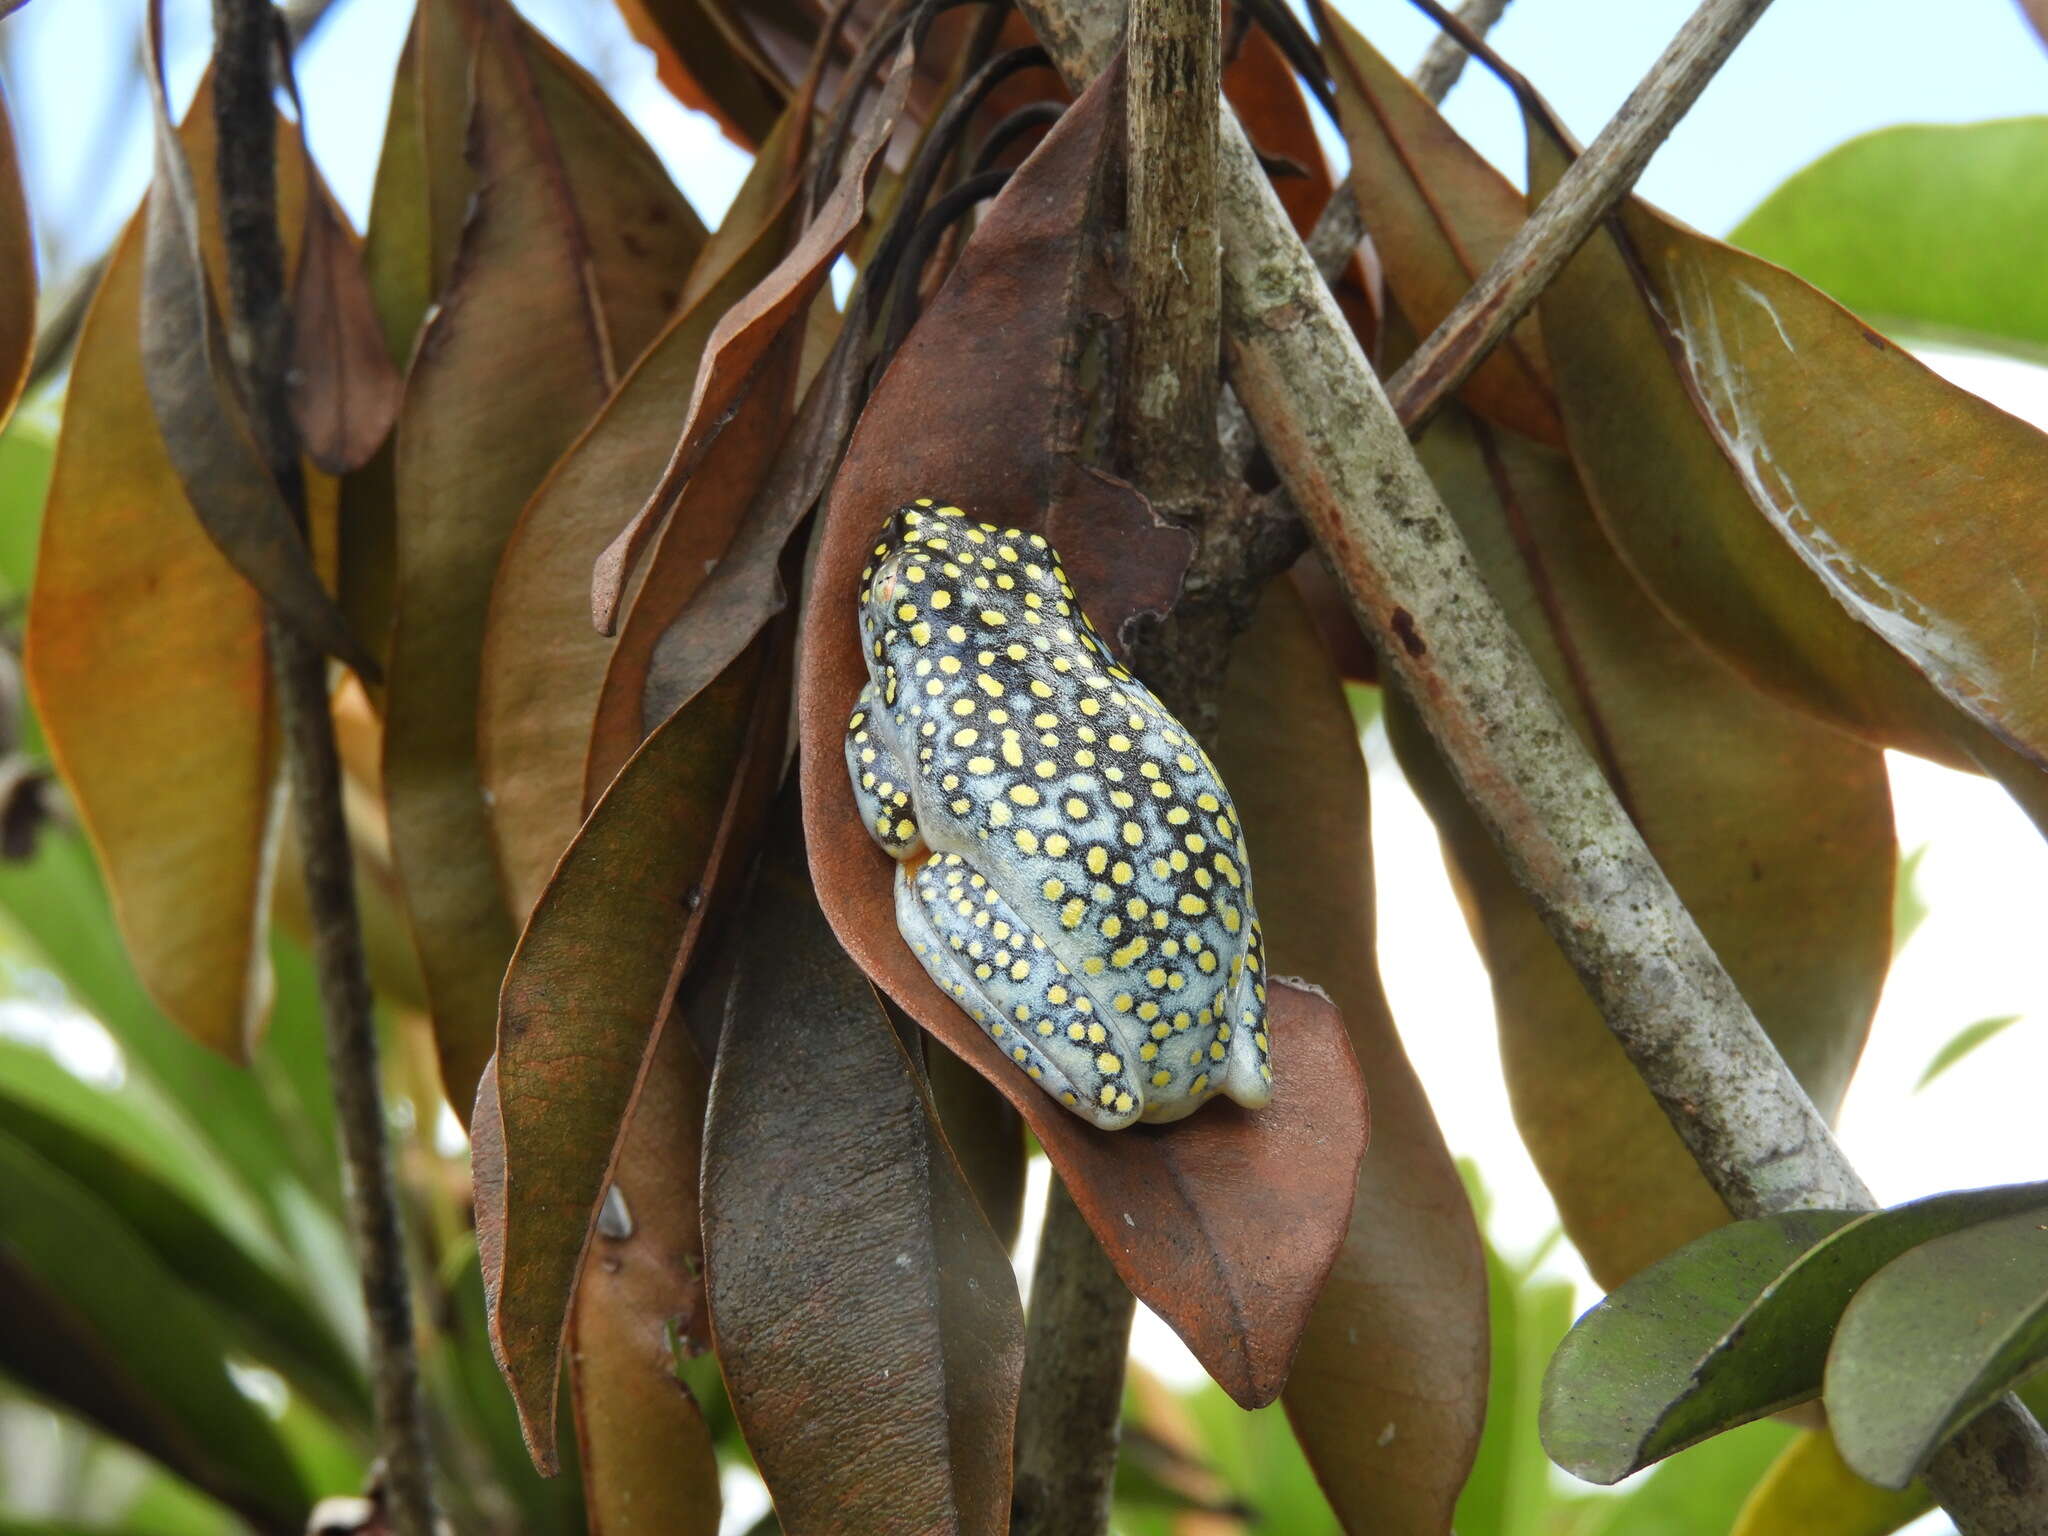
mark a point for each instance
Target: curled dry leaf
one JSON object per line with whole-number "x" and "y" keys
{"x": 345, "y": 387}
{"x": 711, "y": 65}
{"x": 510, "y": 367}
{"x": 648, "y": 1464}
{"x": 866, "y": 1318}
{"x": 197, "y": 399}
{"x": 1225, "y": 1223}
{"x": 1776, "y": 830}
{"x": 1438, "y": 214}
{"x": 1399, "y": 1336}
{"x": 146, "y": 660}
{"x": 745, "y": 337}
{"x": 595, "y": 970}
{"x": 1844, "y": 527}
{"x": 17, "y": 272}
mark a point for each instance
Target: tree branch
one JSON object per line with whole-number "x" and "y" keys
{"x": 1344, "y": 455}
{"x": 1585, "y": 195}
{"x": 1077, "y": 1332}
{"x": 259, "y": 332}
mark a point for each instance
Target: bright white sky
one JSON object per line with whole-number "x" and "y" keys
{"x": 1815, "y": 72}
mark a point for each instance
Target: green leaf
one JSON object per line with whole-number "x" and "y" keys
{"x": 867, "y": 1318}
{"x": 1965, "y": 1040}
{"x": 1700, "y": 1490}
{"x": 92, "y": 1319}
{"x": 1909, "y": 902}
{"x": 1731, "y": 1327}
{"x": 1934, "y": 1339}
{"x": 1810, "y": 1491}
{"x": 1932, "y": 229}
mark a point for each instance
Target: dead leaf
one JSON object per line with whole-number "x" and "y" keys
{"x": 17, "y": 273}
{"x": 1399, "y": 1336}
{"x": 345, "y": 387}
{"x": 509, "y": 369}
{"x": 866, "y": 1318}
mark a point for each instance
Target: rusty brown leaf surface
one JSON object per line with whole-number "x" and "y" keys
{"x": 1775, "y": 829}
{"x": 1438, "y": 214}
{"x": 866, "y": 1318}
{"x": 708, "y": 64}
{"x": 345, "y": 386}
{"x": 509, "y": 369}
{"x": 643, "y": 234}
{"x": 145, "y": 655}
{"x": 545, "y": 670}
{"x": 1225, "y": 1223}
{"x": 1399, "y": 1335}
{"x": 196, "y": 396}
{"x": 1844, "y": 527}
{"x": 17, "y": 272}
{"x": 648, "y": 1464}
{"x": 986, "y": 1135}
{"x": 593, "y": 973}
{"x": 744, "y": 337}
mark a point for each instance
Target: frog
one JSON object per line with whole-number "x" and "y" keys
{"x": 1069, "y": 868}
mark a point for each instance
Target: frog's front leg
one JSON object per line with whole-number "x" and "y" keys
{"x": 881, "y": 779}
{"x": 972, "y": 943}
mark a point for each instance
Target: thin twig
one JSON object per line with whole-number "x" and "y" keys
{"x": 1583, "y": 196}
{"x": 1341, "y": 226}
{"x": 259, "y": 331}
{"x": 1345, "y": 457}
{"x": 1077, "y": 1333}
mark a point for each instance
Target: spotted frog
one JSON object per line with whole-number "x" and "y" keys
{"x": 1070, "y": 868}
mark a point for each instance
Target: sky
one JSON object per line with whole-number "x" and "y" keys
{"x": 1813, "y": 74}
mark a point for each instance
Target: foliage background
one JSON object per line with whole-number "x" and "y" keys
{"x": 1803, "y": 83}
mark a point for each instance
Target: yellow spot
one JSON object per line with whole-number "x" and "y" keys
{"x": 1232, "y": 919}
{"x": 1097, "y": 1034}
{"x": 1109, "y": 1094}
{"x": 966, "y": 736}
{"x": 1023, "y": 794}
{"x": 1084, "y": 759}
{"x": 1027, "y": 840}
{"x": 1093, "y": 965}
{"x": 998, "y": 814}
{"x": 1123, "y": 874}
{"x": 990, "y": 616}
{"x": 963, "y": 706}
{"x": 1216, "y": 1051}
{"x": 1045, "y": 1026}
{"x": 1119, "y": 742}
{"x": 1098, "y": 860}
{"x": 1057, "y": 845}
{"x": 1040, "y": 688}
{"x": 1019, "y": 969}
{"x": 1012, "y": 753}
{"x": 1227, "y": 869}
{"x": 1123, "y": 1103}
{"x": 1056, "y": 994}
{"x": 981, "y": 765}
{"x": 905, "y": 829}
{"x": 957, "y": 633}
{"x": 1069, "y": 1100}
{"x": 1077, "y": 1032}
{"x": 1199, "y": 1083}
{"x": 1072, "y": 913}
{"x": 1181, "y": 1020}
{"x": 1091, "y": 705}
{"x": 942, "y": 599}
{"x": 1161, "y": 1078}
{"x": 1177, "y": 816}
{"x": 1206, "y": 962}
{"x": 1156, "y": 977}
{"x": 1045, "y": 768}
{"x": 1053, "y": 890}
{"x": 906, "y": 612}
{"x": 1208, "y": 802}
{"x": 1149, "y": 1051}
{"x": 1107, "y": 1062}
{"x": 988, "y": 685}
{"x": 1193, "y": 905}
{"x": 1133, "y": 833}
{"x": 921, "y": 632}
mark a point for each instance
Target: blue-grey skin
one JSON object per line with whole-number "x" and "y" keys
{"x": 1070, "y": 868}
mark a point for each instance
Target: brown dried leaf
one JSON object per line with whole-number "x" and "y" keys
{"x": 973, "y": 410}
{"x": 594, "y": 971}
{"x": 197, "y": 399}
{"x": 146, "y": 658}
{"x": 17, "y": 273}
{"x": 866, "y": 1317}
{"x": 1399, "y": 1335}
{"x": 509, "y": 369}
{"x": 744, "y": 338}
{"x": 648, "y": 1464}
{"x": 345, "y": 387}
{"x": 1438, "y": 214}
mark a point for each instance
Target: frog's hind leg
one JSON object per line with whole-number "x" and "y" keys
{"x": 881, "y": 779}
{"x": 970, "y": 941}
{"x": 1248, "y": 1069}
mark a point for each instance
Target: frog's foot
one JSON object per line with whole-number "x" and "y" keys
{"x": 970, "y": 941}
{"x": 881, "y": 779}
{"x": 1248, "y": 1063}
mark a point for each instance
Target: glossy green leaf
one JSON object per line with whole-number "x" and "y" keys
{"x": 1909, "y": 902}
{"x": 1697, "y": 1491}
{"x": 866, "y": 1317}
{"x": 1845, "y": 528}
{"x": 92, "y": 1319}
{"x": 1733, "y": 1326}
{"x": 510, "y": 367}
{"x": 1936, "y": 1337}
{"x": 1775, "y": 830}
{"x": 1810, "y": 1491}
{"x": 1964, "y": 1041}
{"x": 1931, "y": 229}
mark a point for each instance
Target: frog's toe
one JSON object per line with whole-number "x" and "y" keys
{"x": 881, "y": 781}
{"x": 969, "y": 941}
